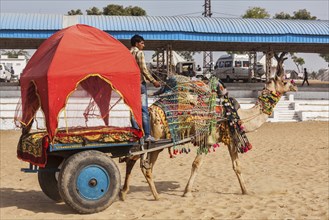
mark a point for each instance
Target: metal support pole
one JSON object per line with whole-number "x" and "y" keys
{"x": 160, "y": 60}
{"x": 269, "y": 56}
{"x": 169, "y": 60}
{"x": 207, "y": 55}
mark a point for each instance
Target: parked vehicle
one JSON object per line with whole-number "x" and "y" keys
{"x": 233, "y": 67}
{"x": 186, "y": 68}
{"x": 5, "y": 75}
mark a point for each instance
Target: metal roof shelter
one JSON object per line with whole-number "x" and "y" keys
{"x": 28, "y": 31}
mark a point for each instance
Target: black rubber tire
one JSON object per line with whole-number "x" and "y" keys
{"x": 47, "y": 179}
{"x": 68, "y": 181}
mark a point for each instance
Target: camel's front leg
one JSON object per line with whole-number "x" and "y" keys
{"x": 130, "y": 162}
{"x": 147, "y": 171}
{"x": 198, "y": 161}
{"x": 236, "y": 167}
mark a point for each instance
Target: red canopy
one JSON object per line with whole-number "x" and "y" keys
{"x": 69, "y": 57}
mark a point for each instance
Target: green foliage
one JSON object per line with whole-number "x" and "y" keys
{"x": 111, "y": 9}
{"x": 299, "y": 61}
{"x": 120, "y": 10}
{"x": 94, "y": 11}
{"x": 114, "y": 10}
{"x": 325, "y": 57}
{"x": 74, "y": 12}
{"x": 256, "y": 12}
{"x": 282, "y": 15}
{"x": 15, "y": 54}
{"x": 187, "y": 55}
{"x": 135, "y": 11}
{"x": 303, "y": 14}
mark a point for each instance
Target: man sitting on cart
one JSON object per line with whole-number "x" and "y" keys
{"x": 137, "y": 46}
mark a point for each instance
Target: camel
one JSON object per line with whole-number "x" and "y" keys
{"x": 251, "y": 119}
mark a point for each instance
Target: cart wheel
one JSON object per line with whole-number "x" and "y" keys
{"x": 48, "y": 178}
{"x": 89, "y": 181}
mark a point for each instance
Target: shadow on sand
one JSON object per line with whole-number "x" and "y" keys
{"x": 34, "y": 201}
{"x": 37, "y": 201}
{"x": 161, "y": 186}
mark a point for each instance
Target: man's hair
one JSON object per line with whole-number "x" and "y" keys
{"x": 136, "y": 39}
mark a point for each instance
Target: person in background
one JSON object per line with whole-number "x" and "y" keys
{"x": 137, "y": 46}
{"x": 305, "y": 77}
{"x": 12, "y": 71}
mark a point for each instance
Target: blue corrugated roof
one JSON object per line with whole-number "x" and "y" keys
{"x": 172, "y": 27}
{"x": 13, "y": 21}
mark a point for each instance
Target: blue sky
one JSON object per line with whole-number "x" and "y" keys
{"x": 220, "y": 8}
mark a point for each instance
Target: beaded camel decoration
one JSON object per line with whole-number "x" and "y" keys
{"x": 208, "y": 126}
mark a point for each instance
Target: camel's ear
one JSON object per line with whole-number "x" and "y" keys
{"x": 279, "y": 78}
{"x": 276, "y": 78}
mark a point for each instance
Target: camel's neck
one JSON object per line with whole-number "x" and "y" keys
{"x": 256, "y": 116}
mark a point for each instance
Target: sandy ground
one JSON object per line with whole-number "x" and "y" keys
{"x": 286, "y": 173}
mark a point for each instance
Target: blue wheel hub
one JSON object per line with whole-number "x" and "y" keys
{"x": 93, "y": 182}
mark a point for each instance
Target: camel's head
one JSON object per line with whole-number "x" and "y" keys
{"x": 278, "y": 84}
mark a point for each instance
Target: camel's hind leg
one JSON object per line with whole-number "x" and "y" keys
{"x": 130, "y": 162}
{"x": 236, "y": 167}
{"x": 147, "y": 171}
{"x": 198, "y": 161}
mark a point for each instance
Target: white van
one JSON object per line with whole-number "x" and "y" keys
{"x": 233, "y": 67}
{"x": 5, "y": 75}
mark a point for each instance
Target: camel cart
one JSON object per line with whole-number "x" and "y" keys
{"x": 84, "y": 175}
{"x": 74, "y": 157}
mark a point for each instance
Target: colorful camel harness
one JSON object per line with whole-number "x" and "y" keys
{"x": 180, "y": 117}
{"x": 267, "y": 100}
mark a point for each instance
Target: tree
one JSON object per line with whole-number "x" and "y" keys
{"x": 94, "y": 11}
{"x": 282, "y": 15}
{"x": 112, "y": 9}
{"x": 325, "y": 57}
{"x": 299, "y": 61}
{"x": 303, "y": 14}
{"x": 135, "y": 11}
{"x": 75, "y": 12}
{"x": 187, "y": 55}
{"x": 15, "y": 54}
{"x": 256, "y": 12}
{"x": 120, "y": 10}
{"x": 280, "y": 59}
